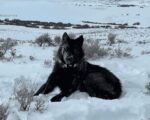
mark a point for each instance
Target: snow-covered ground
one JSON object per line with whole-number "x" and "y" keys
{"x": 133, "y": 72}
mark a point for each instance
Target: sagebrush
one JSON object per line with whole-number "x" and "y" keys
{"x": 119, "y": 52}
{"x": 3, "y": 112}
{"x": 44, "y": 39}
{"x": 147, "y": 86}
{"x": 111, "y": 38}
{"x": 39, "y": 104}
{"x": 93, "y": 49}
{"x": 6, "y": 45}
{"x": 23, "y": 93}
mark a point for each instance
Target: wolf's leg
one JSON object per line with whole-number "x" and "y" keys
{"x": 61, "y": 95}
{"x": 48, "y": 86}
{"x": 42, "y": 88}
{"x": 57, "y": 98}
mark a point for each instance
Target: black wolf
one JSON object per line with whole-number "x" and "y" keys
{"x": 72, "y": 72}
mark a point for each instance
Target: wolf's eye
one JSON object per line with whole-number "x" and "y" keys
{"x": 66, "y": 49}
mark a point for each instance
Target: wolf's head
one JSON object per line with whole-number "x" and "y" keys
{"x": 70, "y": 52}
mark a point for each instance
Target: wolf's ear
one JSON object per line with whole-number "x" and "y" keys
{"x": 65, "y": 38}
{"x": 80, "y": 40}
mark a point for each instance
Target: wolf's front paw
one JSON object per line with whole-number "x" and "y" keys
{"x": 56, "y": 99}
{"x": 36, "y": 94}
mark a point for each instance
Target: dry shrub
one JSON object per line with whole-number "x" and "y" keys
{"x": 6, "y": 45}
{"x": 3, "y": 112}
{"x": 39, "y": 104}
{"x": 32, "y": 58}
{"x": 47, "y": 63}
{"x": 143, "y": 42}
{"x": 57, "y": 40}
{"x": 111, "y": 38}
{"x": 147, "y": 86}
{"x": 122, "y": 41}
{"x": 93, "y": 49}
{"x": 24, "y": 97}
{"x": 145, "y": 52}
{"x": 23, "y": 92}
{"x": 120, "y": 53}
{"x": 44, "y": 39}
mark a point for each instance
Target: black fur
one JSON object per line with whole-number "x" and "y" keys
{"x": 71, "y": 72}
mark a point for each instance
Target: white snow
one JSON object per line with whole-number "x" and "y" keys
{"x": 133, "y": 72}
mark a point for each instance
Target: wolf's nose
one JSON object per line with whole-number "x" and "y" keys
{"x": 70, "y": 58}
